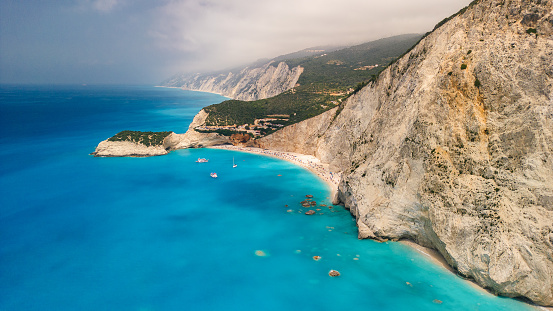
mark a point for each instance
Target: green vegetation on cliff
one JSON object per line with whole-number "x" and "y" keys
{"x": 145, "y": 138}
{"x": 327, "y": 80}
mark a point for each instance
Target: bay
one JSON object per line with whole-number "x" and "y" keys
{"x": 85, "y": 233}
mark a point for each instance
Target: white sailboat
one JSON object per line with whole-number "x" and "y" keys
{"x": 234, "y": 165}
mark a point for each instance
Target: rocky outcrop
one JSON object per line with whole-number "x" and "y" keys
{"x": 190, "y": 139}
{"x": 108, "y": 148}
{"x": 250, "y": 83}
{"x": 240, "y": 139}
{"x": 194, "y": 139}
{"x": 452, "y": 147}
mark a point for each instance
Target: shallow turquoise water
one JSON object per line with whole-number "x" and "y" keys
{"x": 85, "y": 233}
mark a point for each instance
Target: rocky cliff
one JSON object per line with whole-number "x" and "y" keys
{"x": 452, "y": 147}
{"x": 109, "y": 148}
{"x": 250, "y": 83}
{"x": 193, "y": 139}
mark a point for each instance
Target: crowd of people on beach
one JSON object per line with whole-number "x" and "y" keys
{"x": 307, "y": 161}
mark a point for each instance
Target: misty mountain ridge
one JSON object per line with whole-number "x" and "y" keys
{"x": 253, "y": 82}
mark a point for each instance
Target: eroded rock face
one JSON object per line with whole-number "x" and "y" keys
{"x": 108, "y": 148}
{"x": 452, "y": 147}
{"x": 239, "y": 139}
{"x": 193, "y": 139}
{"x": 249, "y": 84}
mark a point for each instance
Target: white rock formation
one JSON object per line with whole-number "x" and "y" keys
{"x": 457, "y": 158}
{"x": 193, "y": 139}
{"x": 127, "y": 149}
{"x": 251, "y": 83}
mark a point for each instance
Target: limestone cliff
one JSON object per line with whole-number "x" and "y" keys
{"x": 250, "y": 83}
{"x": 109, "y": 148}
{"x": 452, "y": 147}
{"x": 193, "y": 139}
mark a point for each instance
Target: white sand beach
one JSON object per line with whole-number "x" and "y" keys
{"x": 307, "y": 161}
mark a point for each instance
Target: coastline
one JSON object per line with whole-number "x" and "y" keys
{"x": 332, "y": 179}
{"x": 306, "y": 161}
{"x": 183, "y": 89}
{"x": 436, "y": 258}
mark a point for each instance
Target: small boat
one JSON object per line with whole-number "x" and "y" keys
{"x": 233, "y": 165}
{"x": 202, "y": 160}
{"x": 213, "y": 175}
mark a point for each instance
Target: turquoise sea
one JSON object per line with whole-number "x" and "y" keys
{"x": 85, "y": 233}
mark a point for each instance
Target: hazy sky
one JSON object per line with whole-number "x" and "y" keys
{"x": 147, "y": 41}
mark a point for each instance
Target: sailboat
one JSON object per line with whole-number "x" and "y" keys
{"x": 234, "y": 165}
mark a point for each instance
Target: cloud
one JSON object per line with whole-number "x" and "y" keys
{"x": 145, "y": 40}
{"x": 214, "y": 33}
{"x": 103, "y": 6}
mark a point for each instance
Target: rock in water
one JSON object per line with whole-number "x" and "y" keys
{"x": 310, "y": 212}
{"x": 334, "y": 273}
{"x": 260, "y": 253}
{"x": 452, "y": 146}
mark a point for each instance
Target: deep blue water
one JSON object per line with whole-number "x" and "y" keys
{"x": 85, "y": 233}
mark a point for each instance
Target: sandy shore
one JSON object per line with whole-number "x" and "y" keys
{"x": 307, "y": 161}
{"x": 439, "y": 260}
{"x": 432, "y": 254}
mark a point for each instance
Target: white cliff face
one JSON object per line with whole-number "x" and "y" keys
{"x": 193, "y": 139}
{"x": 108, "y": 148}
{"x": 249, "y": 84}
{"x": 456, "y": 158}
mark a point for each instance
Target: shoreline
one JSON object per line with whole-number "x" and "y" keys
{"x": 183, "y": 89}
{"x": 308, "y": 162}
{"x": 332, "y": 179}
{"x": 436, "y": 258}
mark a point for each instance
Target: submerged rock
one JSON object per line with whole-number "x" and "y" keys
{"x": 310, "y": 212}
{"x": 333, "y": 273}
{"x": 260, "y": 253}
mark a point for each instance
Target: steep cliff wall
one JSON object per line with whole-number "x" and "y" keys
{"x": 452, "y": 147}
{"x": 193, "y": 139}
{"x": 251, "y": 83}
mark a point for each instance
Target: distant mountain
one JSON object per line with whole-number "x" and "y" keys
{"x": 339, "y": 66}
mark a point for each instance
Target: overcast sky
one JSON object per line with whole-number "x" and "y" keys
{"x": 147, "y": 41}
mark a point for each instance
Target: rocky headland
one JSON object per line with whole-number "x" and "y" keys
{"x": 250, "y": 83}
{"x": 172, "y": 141}
{"x": 127, "y": 149}
{"x": 133, "y": 144}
